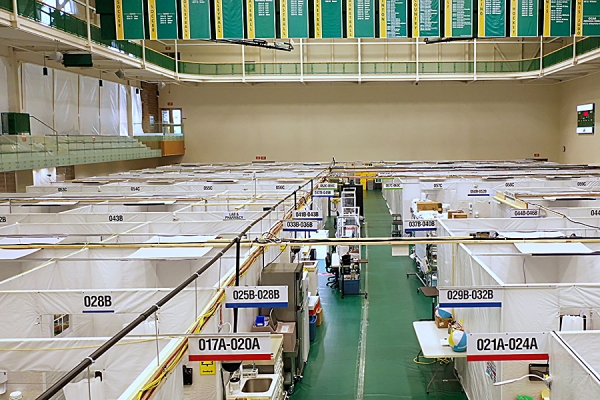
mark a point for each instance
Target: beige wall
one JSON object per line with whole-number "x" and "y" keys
{"x": 579, "y": 148}
{"x": 292, "y": 122}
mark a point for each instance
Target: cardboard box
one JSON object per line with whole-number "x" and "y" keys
{"x": 429, "y": 206}
{"x": 456, "y": 214}
{"x": 288, "y": 330}
{"x": 442, "y": 323}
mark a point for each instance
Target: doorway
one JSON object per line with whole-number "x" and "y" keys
{"x": 171, "y": 120}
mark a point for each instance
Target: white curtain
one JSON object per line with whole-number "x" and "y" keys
{"x": 4, "y": 67}
{"x": 137, "y": 112}
{"x": 123, "y": 125}
{"x": 109, "y": 108}
{"x": 39, "y": 98}
{"x": 66, "y": 99}
{"x": 89, "y": 106}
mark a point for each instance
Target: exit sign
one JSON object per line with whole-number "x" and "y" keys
{"x": 261, "y": 157}
{"x": 170, "y": 104}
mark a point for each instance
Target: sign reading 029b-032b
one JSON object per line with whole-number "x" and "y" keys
{"x": 230, "y": 347}
{"x": 470, "y": 297}
{"x": 256, "y": 296}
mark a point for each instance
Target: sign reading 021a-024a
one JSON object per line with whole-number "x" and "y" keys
{"x": 519, "y": 346}
{"x": 256, "y": 296}
{"x": 230, "y": 347}
{"x": 469, "y": 297}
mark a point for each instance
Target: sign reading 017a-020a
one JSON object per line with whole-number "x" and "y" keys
{"x": 256, "y": 296}
{"x": 230, "y": 347}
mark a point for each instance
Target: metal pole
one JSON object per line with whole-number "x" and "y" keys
{"x": 237, "y": 280}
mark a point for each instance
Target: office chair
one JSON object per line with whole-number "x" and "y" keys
{"x": 332, "y": 281}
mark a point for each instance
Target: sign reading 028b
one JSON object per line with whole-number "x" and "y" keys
{"x": 97, "y": 303}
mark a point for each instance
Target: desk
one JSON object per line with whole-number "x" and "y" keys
{"x": 429, "y": 337}
{"x": 335, "y": 264}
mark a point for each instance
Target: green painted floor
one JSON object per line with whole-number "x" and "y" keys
{"x": 332, "y": 371}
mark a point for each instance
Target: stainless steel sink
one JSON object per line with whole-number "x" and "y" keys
{"x": 257, "y": 385}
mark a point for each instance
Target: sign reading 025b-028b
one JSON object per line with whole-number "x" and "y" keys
{"x": 230, "y": 347}
{"x": 256, "y": 296}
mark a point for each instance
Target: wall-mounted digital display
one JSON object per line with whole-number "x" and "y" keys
{"x": 586, "y": 118}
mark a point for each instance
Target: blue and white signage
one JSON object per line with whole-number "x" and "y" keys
{"x": 328, "y": 185}
{"x": 300, "y": 226}
{"x": 470, "y": 297}
{"x": 323, "y": 193}
{"x": 420, "y": 225}
{"x": 479, "y": 192}
{"x": 307, "y": 214}
{"x": 526, "y": 213}
{"x": 256, "y": 296}
{"x": 97, "y": 303}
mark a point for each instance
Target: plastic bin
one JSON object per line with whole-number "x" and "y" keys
{"x": 312, "y": 331}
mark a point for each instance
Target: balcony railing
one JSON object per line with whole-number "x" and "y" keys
{"x": 65, "y": 22}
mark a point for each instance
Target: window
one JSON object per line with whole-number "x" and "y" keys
{"x": 61, "y": 323}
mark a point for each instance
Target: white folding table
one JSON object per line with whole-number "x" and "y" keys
{"x": 430, "y": 340}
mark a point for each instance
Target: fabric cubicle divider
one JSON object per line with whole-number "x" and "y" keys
{"x": 574, "y": 365}
{"x": 137, "y": 111}
{"x": 109, "y": 109}
{"x": 38, "y": 98}
{"x": 4, "y": 71}
{"x": 66, "y": 99}
{"x": 120, "y": 365}
{"x": 123, "y": 119}
{"x": 89, "y": 106}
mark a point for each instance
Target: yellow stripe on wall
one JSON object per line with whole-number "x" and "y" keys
{"x": 415, "y": 17}
{"x": 514, "y": 10}
{"x": 185, "y": 13}
{"x": 318, "y": 21}
{"x": 284, "y": 19}
{"x": 481, "y": 24}
{"x": 547, "y": 21}
{"x": 219, "y": 18}
{"x": 119, "y": 19}
{"x": 152, "y": 16}
{"x": 250, "y": 18}
{"x": 578, "y": 17}
{"x": 448, "y": 27}
{"x": 383, "y": 18}
{"x": 350, "y": 17}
